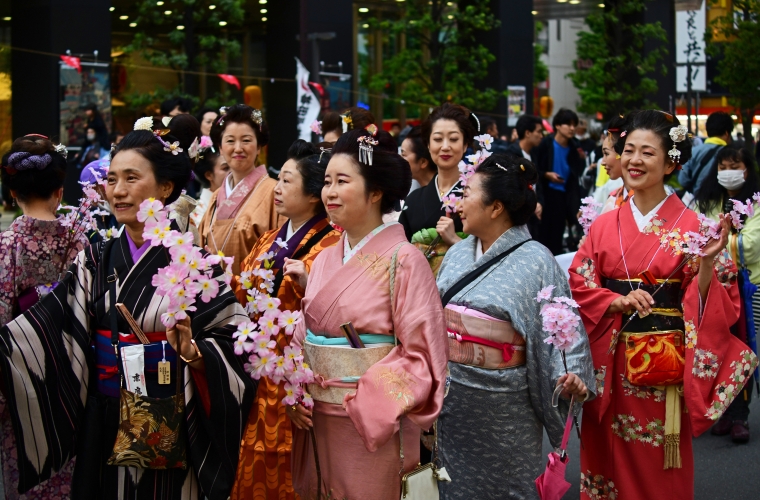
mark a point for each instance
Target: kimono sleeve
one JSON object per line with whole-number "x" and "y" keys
{"x": 586, "y": 285}
{"x": 411, "y": 379}
{"x": 45, "y": 366}
{"x": 718, "y": 364}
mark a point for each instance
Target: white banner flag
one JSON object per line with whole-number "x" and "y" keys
{"x": 307, "y": 103}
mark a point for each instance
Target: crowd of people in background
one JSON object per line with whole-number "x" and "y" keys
{"x": 381, "y": 308}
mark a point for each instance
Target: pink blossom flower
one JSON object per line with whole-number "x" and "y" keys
{"x": 175, "y": 238}
{"x": 207, "y": 287}
{"x": 149, "y": 209}
{"x": 545, "y": 293}
{"x": 307, "y": 400}
{"x": 316, "y": 127}
{"x": 565, "y": 300}
{"x": 485, "y": 141}
{"x": 288, "y": 320}
{"x": 263, "y": 343}
{"x": 278, "y": 374}
{"x": 290, "y": 395}
{"x": 263, "y": 365}
{"x": 293, "y": 354}
{"x": 267, "y": 323}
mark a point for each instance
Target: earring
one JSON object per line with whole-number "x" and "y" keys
{"x": 14, "y": 202}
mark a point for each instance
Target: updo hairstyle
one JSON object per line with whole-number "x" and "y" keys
{"x": 614, "y": 128}
{"x": 508, "y": 179}
{"x": 186, "y": 129}
{"x": 467, "y": 122}
{"x": 240, "y": 113}
{"x": 660, "y": 124}
{"x": 167, "y": 167}
{"x": 312, "y": 170}
{"x": 33, "y": 169}
{"x": 389, "y": 172}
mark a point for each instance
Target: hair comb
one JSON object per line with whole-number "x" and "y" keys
{"x": 366, "y": 149}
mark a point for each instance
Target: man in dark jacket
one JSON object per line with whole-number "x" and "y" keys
{"x": 560, "y": 164}
{"x": 719, "y": 126}
{"x": 530, "y": 132}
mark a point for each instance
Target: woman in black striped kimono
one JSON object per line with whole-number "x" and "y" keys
{"x": 60, "y": 370}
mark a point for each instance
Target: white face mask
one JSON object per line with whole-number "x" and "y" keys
{"x": 90, "y": 137}
{"x": 731, "y": 179}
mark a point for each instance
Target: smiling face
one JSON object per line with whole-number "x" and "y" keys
{"x": 446, "y": 145}
{"x": 240, "y": 148}
{"x": 477, "y": 217}
{"x": 345, "y": 194}
{"x": 612, "y": 163}
{"x": 644, "y": 161}
{"x": 131, "y": 180}
{"x": 208, "y": 120}
{"x": 289, "y": 198}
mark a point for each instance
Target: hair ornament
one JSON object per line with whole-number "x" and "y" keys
{"x": 166, "y": 120}
{"x": 366, "y": 149}
{"x": 23, "y": 160}
{"x": 675, "y": 155}
{"x": 194, "y": 150}
{"x": 145, "y": 123}
{"x": 372, "y": 129}
{"x": 256, "y": 117}
{"x": 623, "y": 133}
{"x": 323, "y": 151}
{"x": 61, "y": 150}
{"x": 679, "y": 133}
{"x": 347, "y": 122}
{"x": 172, "y": 148}
{"x": 222, "y": 112}
{"x": 476, "y": 120}
{"x": 504, "y": 169}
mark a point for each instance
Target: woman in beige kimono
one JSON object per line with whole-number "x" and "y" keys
{"x": 242, "y": 209}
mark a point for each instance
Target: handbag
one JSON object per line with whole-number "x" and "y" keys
{"x": 655, "y": 358}
{"x": 151, "y": 430}
{"x": 422, "y": 482}
{"x": 552, "y": 485}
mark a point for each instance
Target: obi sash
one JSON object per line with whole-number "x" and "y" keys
{"x": 480, "y": 340}
{"x": 667, "y": 312}
{"x": 108, "y": 382}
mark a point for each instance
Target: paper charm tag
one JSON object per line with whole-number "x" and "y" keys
{"x": 164, "y": 373}
{"x": 133, "y": 362}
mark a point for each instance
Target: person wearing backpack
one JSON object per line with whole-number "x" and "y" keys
{"x": 719, "y": 127}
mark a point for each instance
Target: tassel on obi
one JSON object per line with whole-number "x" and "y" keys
{"x": 673, "y": 395}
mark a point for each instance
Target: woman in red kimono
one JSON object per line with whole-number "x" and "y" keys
{"x": 675, "y": 367}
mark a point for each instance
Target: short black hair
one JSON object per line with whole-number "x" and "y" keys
{"x": 509, "y": 179}
{"x": 203, "y": 111}
{"x": 527, "y": 123}
{"x": 711, "y": 194}
{"x": 718, "y": 124}
{"x": 167, "y": 167}
{"x": 565, "y": 117}
{"x": 240, "y": 113}
{"x": 389, "y": 173}
{"x": 33, "y": 183}
{"x": 168, "y": 106}
{"x": 486, "y": 122}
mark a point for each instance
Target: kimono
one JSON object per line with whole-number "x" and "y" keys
{"x": 422, "y": 210}
{"x": 232, "y": 225}
{"x": 626, "y": 440}
{"x": 264, "y": 466}
{"x": 33, "y": 253}
{"x": 359, "y": 448}
{"x": 497, "y": 454}
{"x": 63, "y": 382}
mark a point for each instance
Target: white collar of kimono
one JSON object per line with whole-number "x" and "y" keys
{"x": 438, "y": 190}
{"x": 349, "y": 252}
{"x": 228, "y": 185}
{"x": 641, "y": 219}
{"x": 292, "y": 230}
{"x": 478, "y": 249}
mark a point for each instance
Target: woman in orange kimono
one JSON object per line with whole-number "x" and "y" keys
{"x": 242, "y": 209}
{"x": 264, "y": 466}
{"x": 675, "y": 367}
{"x": 358, "y": 442}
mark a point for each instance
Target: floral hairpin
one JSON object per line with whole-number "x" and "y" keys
{"x": 677, "y": 134}
{"x": 347, "y": 121}
{"x": 172, "y": 148}
{"x": 145, "y": 123}
{"x": 222, "y": 112}
{"x": 61, "y": 150}
{"x": 366, "y": 149}
{"x": 623, "y": 133}
{"x": 194, "y": 150}
{"x": 256, "y": 117}
{"x": 316, "y": 127}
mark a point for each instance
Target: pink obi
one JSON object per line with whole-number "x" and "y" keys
{"x": 480, "y": 340}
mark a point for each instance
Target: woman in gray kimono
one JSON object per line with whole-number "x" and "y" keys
{"x": 502, "y": 373}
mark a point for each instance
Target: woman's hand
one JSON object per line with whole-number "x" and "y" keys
{"x": 300, "y": 416}
{"x": 637, "y": 299}
{"x": 296, "y": 269}
{"x": 572, "y": 385}
{"x": 445, "y": 228}
{"x": 714, "y": 247}
{"x": 182, "y": 330}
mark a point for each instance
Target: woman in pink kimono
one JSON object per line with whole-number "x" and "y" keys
{"x": 358, "y": 442}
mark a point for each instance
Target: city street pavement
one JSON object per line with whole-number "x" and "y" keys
{"x": 722, "y": 469}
